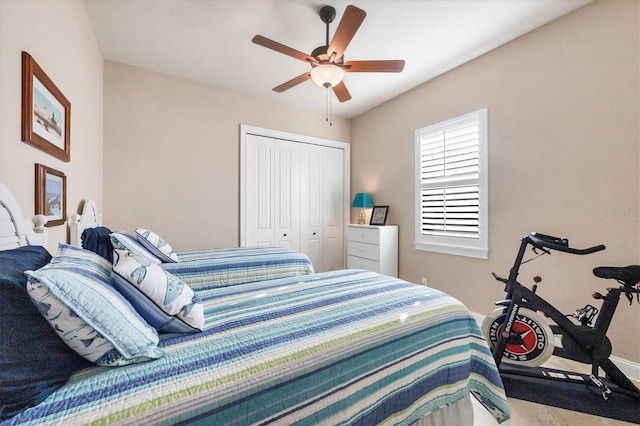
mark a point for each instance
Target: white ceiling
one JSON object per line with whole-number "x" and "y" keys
{"x": 209, "y": 41}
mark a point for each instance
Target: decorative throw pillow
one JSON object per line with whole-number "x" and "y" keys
{"x": 82, "y": 261}
{"x": 98, "y": 241}
{"x": 125, "y": 241}
{"x": 156, "y": 245}
{"x": 92, "y": 317}
{"x": 166, "y": 302}
{"x": 34, "y": 362}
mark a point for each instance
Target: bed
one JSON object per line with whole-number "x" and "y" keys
{"x": 16, "y": 231}
{"x": 209, "y": 267}
{"x": 341, "y": 347}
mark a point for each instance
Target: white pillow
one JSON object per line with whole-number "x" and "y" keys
{"x": 163, "y": 300}
{"x": 156, "y": 245}
{"x": 124, "y": 241}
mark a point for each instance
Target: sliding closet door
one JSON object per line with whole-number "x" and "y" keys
{"x": 311, "y": 204}
{"x": 321, "y": 206}
{"x": 272, "y": 193}
{"x": 259, "y": 191}
{"x": 332, "y": 209}
{"x": 294, "y": 194}
{"x": 287, "y": 195}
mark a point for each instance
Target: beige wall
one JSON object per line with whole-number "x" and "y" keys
{"x": 172, "y": 148}
{"x": 564, "y": 144}
{"x": 59, "y": 36}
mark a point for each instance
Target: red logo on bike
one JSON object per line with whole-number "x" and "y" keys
{"x": 526, "y": 341}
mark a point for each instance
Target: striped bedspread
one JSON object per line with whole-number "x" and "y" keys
{"x": 344, "y": 347}
{"x": 238, "y": 265}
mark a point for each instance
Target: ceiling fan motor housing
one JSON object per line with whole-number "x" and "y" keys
{"x": 320, "y": 53}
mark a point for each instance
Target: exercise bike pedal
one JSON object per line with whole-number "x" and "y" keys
{"x": 585, "y": 315}
{"x": 603, "y": 388}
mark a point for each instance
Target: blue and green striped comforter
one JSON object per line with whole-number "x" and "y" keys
{"x": 343, "y": 347}
{"x": 238, "y": 265}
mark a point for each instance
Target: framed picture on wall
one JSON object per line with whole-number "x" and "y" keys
{"x": 379, "y": 215}
{"x": 51, "y": 195}
{"x": 46, "y": 113}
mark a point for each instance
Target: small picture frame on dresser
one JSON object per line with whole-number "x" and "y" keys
{"x": 379, "y": 215}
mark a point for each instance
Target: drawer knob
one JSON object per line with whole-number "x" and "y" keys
{"x": 284, "y": 235}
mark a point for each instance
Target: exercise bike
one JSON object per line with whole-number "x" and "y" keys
{"x": 520, "y": 338}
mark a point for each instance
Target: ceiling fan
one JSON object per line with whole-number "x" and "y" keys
{"x": 327, "y": 62}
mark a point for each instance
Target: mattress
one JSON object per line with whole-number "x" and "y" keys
{"x": 343, "y": 347}
{"x": 229, "y": 266}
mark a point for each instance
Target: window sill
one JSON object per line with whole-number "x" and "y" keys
{"x": 479, "y": 253}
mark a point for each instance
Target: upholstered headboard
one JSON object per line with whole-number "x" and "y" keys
{"x": 15, "y": 230}
{"x": 90, "y": 218}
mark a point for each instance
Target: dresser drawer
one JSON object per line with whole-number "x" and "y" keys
{"x": 354, "y": 262}
{"x": 363, "y": 235}
{"x": 367, "y": 251}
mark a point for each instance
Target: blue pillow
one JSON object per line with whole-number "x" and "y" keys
{"x": 82, "y": 261}
{"x": 34, "y": 361}
{"x": 98, "y": 241}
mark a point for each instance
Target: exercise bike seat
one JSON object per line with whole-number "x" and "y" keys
{"x": 629, "y": 275}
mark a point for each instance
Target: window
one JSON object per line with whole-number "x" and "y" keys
{"x": 451, "y": 186}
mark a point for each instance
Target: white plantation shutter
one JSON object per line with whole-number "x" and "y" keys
{"x": 451, "y": 186}
{"x": 453, "y": 211}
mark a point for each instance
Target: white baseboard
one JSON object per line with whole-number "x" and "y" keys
{"x": 629, "y": 368}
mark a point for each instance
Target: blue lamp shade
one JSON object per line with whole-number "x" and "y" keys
{"x": 362, "y": 200}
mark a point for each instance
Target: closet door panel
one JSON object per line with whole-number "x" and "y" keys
{"x": 332, "y": 208}
{"x": 287, "y": 195}
{"x": 260, "y": 192}
{"x": 311, "y": 204}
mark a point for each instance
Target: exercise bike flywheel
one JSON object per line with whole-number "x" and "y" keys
{"x": 531, "y": 341}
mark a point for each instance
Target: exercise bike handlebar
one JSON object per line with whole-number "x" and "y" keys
{"x": 542, "y": 241}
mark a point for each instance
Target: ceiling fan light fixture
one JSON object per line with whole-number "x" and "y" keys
{"x": 327, "y": 75}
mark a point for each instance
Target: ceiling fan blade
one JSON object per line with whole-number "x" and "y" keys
{"x": 293, "y": 82}
{"x": 347, "y": 28}
{"x": 278, "y": 47}
{"x": 341, "y": 92}
{"x": 374, "y": 66}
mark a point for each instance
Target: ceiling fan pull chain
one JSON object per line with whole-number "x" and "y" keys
{"x": 326, "y": 104}
{"x": 330, "y": 107}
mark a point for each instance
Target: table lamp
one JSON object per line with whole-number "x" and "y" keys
{"x": 363, "y": 201}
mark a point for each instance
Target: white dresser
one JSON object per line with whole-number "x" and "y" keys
{"x": 374, "y": 248}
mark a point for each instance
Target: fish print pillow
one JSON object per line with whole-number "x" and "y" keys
{"x": 162, "y": 299}
{"x": 156, "y": 245}
{"x": 92, "y": 318}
